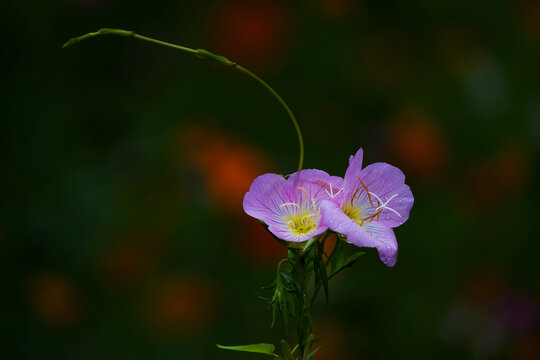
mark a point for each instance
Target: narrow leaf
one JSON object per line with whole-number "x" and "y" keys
{"x": 283, "y": 306}
{"x": 310, "y": 242}
{"x": 324, "y": 278}
{"x": 254, "y": 348}
{"x": 337, "y": 258}
{"x": 346, "y": 263}
{"x": 313, "y": 353}
{"x": 287, "y": 352}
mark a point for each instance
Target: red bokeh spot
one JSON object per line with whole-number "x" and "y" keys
{"x": 228, "y": 165}
{"x": 130, "y": 259}
{"x": 484, "y": 284}
{"x": 492, "y": 181}
{"x": 529, "y": 16}
{"x": 418, "y": 146}
{"x": 252, "y": 33}
{"x": 183, "y": 303}
{"x": 527, "y": 348}
{"x": 339, "y": 9}
{"x": 55, "y": 299}
{"x": 335, "y": 341}
{"x": 329, "y": 245}
{"x": 259, "y": 246}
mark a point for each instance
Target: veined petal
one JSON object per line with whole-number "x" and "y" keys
{"x": 334, "y": 217}
{"x": 288, "y": 206}
{"x": 353, "y": 171}
{"x": 318, "y": 184}
{"x": 265, "y": 196}
{"x": 381, "y": 237}
{"x": 372, "y": 234}
{"x": 282, "y": 231}
{"x": 388, "y": 184}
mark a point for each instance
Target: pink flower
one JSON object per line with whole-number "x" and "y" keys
{"x": 291, "y": 207}
{"x": 373, "y": 201}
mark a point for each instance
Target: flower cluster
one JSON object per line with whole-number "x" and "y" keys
{"x": 363, "y": 207}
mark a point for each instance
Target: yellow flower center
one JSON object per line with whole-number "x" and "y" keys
{"x": 354, "y": 212}
{"x": 302, "y": 222}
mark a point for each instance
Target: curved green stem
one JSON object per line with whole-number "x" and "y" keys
{"x": 201, "y": 53}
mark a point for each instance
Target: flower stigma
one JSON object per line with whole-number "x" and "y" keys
{"x": 385, "y": 205}
{"x": 331, "y": 192}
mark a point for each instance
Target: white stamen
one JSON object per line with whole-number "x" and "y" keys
{"x": 331, "y": 192}
{"x": 292, "y": 224}
{"x": 304, "y": 191}
{"x": 385, "y": 206}
{"x": 314, "y": 204}
{"x": 293, "y": 204}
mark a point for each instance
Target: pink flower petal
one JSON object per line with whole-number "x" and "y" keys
{"x": 265, "y": 196}
{"x": 381, "y": 237}
{"x": 353, "y": 171}
{"x": 387, "y": 181}
{"x": 371, "y": 234}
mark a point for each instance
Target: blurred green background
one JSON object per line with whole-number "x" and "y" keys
{"x": 122, "y": 234}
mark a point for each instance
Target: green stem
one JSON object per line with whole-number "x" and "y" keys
{"x": 305, "y": 323}
{"x": 201, "y": 53}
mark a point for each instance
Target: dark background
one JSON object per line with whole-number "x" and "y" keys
{"x": 124, "y": 164}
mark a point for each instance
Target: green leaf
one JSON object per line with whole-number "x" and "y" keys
{"x": 345, "y": 263}
{"x": 274, "y": 313}
{"x": 313, "y": 353}
{"x": 337, "y": 258}
{"x": 284, "y": 307}
{"x": 266, "y": 300}
{"x": 322, "y": 270}
{"x": 254, "y": 348}
{"x": 324, "y": 278}
{"x": 288, "y": 280}
{"x": 287, "y": 352}
{"x": 205, "y": 54}
{"x": 310, "y": 242}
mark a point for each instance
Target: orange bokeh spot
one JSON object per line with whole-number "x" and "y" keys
{"x": 418, "y": 146}
{"x": 329, "y": 245}
{"x": 259, "y": 246}
{"x": 55, "y": 299}
{"x": 334, "y": 341}
{"x": 529, "y": 16}
{"x": 338, "y": 9}
{"x": 493, "y": 180}
{"x": 484, "y": 284}
{"x": 183, "y": 303}
{"x": 527, "y": 348}
{"x": 132, "y": 258}
{"x": 228, "y": 165}
{"x": 252, "y": 33}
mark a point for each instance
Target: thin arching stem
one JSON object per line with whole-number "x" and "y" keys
{"x": 201, "y": 53}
